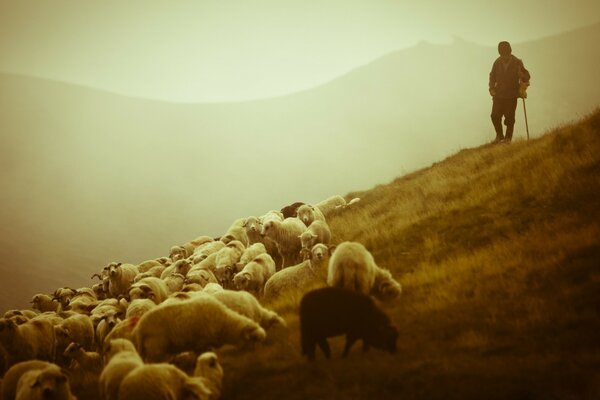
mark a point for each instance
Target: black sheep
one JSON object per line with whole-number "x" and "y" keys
{"x": 291, "y": 210}
{"x": 333, "y": 311}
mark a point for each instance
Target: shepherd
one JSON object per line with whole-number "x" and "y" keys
{"x": 508, "y": 81}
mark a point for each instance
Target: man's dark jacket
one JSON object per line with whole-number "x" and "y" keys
{"x": 505, "y": 80}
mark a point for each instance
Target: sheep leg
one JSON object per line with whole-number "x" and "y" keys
{"x": 350, "y": 340}
{"x": 308, "y": 348}
{"x": 324, "y": 345}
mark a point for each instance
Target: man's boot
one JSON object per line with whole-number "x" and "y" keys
{"x": 499, "y": 134}
{"x": 509, "y": 133}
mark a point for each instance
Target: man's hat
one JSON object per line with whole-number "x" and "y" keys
{"x": 504, "y": 48}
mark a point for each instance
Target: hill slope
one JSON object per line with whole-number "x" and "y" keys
{"x": 90, "y": 177}
{"x": 497, "y": 249}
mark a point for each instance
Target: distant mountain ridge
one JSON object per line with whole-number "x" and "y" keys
{"x": 90, "y": 177}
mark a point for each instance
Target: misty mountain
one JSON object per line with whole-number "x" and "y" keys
{"x": 90, "y": 177}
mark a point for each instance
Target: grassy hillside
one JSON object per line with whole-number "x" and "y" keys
{"x": 498, "y": 252}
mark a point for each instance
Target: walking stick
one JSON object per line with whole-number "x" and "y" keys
{"x": 526, "y": 124}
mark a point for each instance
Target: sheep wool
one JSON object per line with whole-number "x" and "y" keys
{"x": 195, "y": 324}
{"x": 352, "y": 267}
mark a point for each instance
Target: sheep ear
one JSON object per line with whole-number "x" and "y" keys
{"x": 314, "y": 236}
{"x": 331, "y": 248}
{"x": 245, "y": 222}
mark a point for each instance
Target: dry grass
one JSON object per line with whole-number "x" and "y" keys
{"x": 498, "y": 252}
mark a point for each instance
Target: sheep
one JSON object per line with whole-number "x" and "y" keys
{"x": 174, "y": 282}
{"x": 302, "y": 277}
{"x": 200, "y": 276}
{"x": 308, "y": 214}
{"x": 254, "y": 275}
{"x": 236, "y": 232}
{"x": 291, "y": 210}
{"x": 212, "y": 288}
{"x": 33, "y": 339}
{"x": 286, "y": 235}
{"x": 47, "y": 383}
{"x": 181, "y": 267}
{"x": 317, "y": 232}
{"x": 78, "y": 328}
{"x": 14, "y": 373}
{"x": 209, "y": 262}
{"x": 122, "y": 358}
{"x": 88, "y": 360}
{"x": 106, "y": 323}
{"x": 120, "y": 278}
{"x": 148, "y": 265}
{"x": 162, "y": 381}
{"x": 206, "y": 250}
{"x": 122, "y": 330}
{"x": 83, "y": 301}
{"x": 385, "y": 287}
{"x": 194, "y": 324}
{"x": 333, "y": 311}
{"x": 352, "y": 267}
{"x": 154, "y": 272}
{"x": 99, "y": 291}
{"x": 43, "y": 303}
{"x": 139, "y": 307}
{"x": 247, "y": 305}
{"x": 250, "y": 253}
{"x": 226, "y": 262}
{"x": 64, "y": 295}
{"x": 209, "y": 370}
{"x": 200, "y": 240}
{"x": 84, "y": 371}
{"x": 253, "y": 226}
{"x": 152, "y": 288}
{"x": 330, "y": 204}
{"x": 23, "y": 313}
{"x": 177, "y": 253}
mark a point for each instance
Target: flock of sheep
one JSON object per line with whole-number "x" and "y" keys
{"x": 147, "y": 331}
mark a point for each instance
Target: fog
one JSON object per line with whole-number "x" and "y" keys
{"x": 90, "y": 176}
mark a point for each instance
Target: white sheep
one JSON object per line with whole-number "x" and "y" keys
{"x": 236, "y": 232}
{"x": 14, "y": 373}
{"x": 152, "y": 288}
{"x": 139, "y": 307}
{"x": 385, "y": 286}
{"x": 330, "y": 204}
{"x": 310, "y": 274}
{"x": 286, "y": 235}
{"x": 253, "y": 226}
{"x": 42, "y": 384}
{"x": 83, "y": 301}
{"x": 84, "y": 370}
{"x": 212, "y": 288}
{"x": 226, "y": 261}
{"x": 64, "y": 295}
{"x": 174, "y": 282}
{"x": 77, "y": 328}
{"x": 210, "y": 372}
{"x": 162, "y": 381}
{"x": 317, "y": 232}
{"x": 181, "y": 267}
{"x": 352, "y": 267}
{"x": 200, "y": 276}
{"x": 155, "y": 272}
{"x": 43, "y": 303}
{"x": 308, "y": 214}
{"x": 148, "y": 265}
{"x": 253, "y": 276}
{"x": 33, "y": 339}
{"x": 246, "y": 304}
{"x": 88, "y": 360}
{"x": 250, "y": 253}
{"x": 121, "y": 359}
{"x": 120, "y": 278}
{"x": 195, "y": 324}
{"x": 206, "y": 250}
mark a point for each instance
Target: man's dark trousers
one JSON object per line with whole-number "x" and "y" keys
{"x": 506, "y": 108}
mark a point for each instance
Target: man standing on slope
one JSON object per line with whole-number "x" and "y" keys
{"x": 508, "y": 80}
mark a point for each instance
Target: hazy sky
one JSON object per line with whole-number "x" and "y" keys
{"x": 231, "y": 49}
